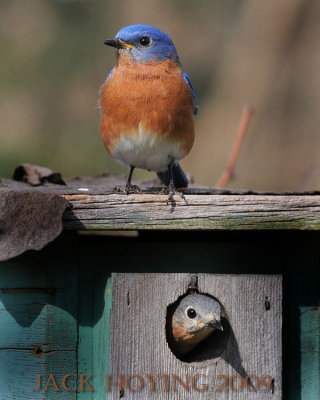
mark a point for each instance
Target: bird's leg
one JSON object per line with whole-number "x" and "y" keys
{"x": 171, "y": 189}
{"x": 129, "y": 188}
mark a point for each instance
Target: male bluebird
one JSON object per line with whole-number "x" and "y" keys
{"x": 195, "y": 318}
{"x": 147, "y": 106}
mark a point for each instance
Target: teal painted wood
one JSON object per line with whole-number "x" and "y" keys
{"x": 94, "y": 329}
{"x": 35, "y": 323}
{"x": 18, "y": 369}
{"x": 310, "y": 351}
{"x": 69, "y": 326}
{"x": 85, "y": 322}
{"x": 101, "y": 342}
{"x": 38, "y": 326}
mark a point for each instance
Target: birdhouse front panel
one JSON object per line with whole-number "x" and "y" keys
{"x": 243, "y": 361}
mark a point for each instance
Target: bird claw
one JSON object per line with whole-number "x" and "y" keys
{"x": 133, "y": 189}
{"x": 171, "y": 191}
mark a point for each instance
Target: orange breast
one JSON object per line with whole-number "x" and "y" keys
{"x": 152, "y": 95}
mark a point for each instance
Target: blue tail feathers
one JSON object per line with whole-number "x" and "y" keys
{"x": 179, "y": 177}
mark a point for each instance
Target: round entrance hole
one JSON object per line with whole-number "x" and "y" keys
{"x": 214, "y": 339}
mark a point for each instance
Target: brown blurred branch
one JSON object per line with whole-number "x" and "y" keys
{"x": 242, "y": 130}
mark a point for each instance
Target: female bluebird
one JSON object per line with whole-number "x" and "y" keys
{"x": 195, "y": 318}
{"x": 147, "y": 106}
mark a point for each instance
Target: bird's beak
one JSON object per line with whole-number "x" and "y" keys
{"x": 215, "y": 324}
{"x": 118, "y": 44}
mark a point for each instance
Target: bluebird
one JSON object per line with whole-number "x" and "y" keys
{"x": 147, "y": 106}
{"x": 195, "y": 318}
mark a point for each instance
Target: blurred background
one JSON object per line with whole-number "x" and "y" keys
{"x": 53, "y": 63}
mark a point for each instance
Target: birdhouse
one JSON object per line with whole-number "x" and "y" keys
{"x": 90, "y": 277}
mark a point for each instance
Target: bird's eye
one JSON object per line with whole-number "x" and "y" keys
{"x": 191, "y": 313}
{"x": 145, "y": 41}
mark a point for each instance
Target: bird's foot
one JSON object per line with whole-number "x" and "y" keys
{"x": 134, "y": 189}
{"x": 171, "y": 191}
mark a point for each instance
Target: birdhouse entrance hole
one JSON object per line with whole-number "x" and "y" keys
{"x": 207, "y": 350}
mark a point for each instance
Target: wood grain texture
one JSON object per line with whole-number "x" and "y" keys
{"x": 205, "y": 212}
{"x": 139, "y": 346}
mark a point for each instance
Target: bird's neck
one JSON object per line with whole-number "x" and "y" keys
{"x": 151, "y": 68}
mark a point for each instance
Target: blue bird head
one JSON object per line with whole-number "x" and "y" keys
{"x": 144, "y": 43}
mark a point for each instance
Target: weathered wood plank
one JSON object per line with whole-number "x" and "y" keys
{"x": 205, "y": 212}
{"x": 33, "y": 302}
{"x": 138, "y": 338}
{"x": 18, "y": 374}
{"x": 38, "y": 326}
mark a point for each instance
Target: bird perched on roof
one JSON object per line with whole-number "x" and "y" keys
{"x": 147, "y": 106}
{"x": 195, "y": 318}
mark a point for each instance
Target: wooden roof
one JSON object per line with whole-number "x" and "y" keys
{"x": 95, "y": 205}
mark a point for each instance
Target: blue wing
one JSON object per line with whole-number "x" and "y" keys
{"x": 195, "y": 103}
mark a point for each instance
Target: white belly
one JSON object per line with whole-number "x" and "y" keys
{"x": 146, "y": 151}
